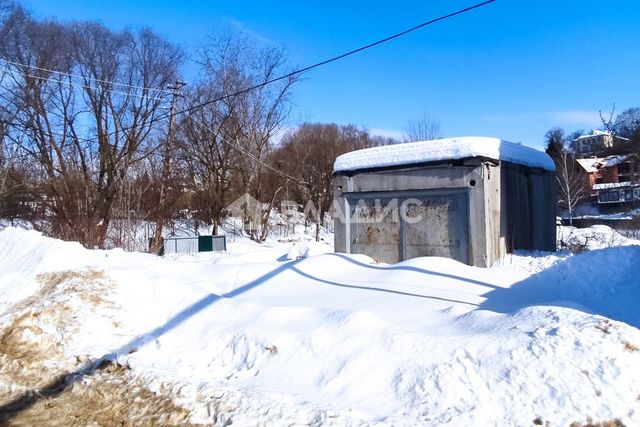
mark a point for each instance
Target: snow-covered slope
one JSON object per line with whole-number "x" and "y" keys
{"x": 338, "y": 340}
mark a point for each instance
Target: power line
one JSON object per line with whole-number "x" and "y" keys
{"x": 87, "y": 140}
{"x": 82, "y": 85}
{"x": 321, "y": 63}
{"x": 339, "y": 57}
{"x": 330, "y": 60}
{"x": 168, "y": 91}
{"x": 248, "y": 153}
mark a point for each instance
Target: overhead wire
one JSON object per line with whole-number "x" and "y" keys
{"x": 298, "y": 71}
{"x": 111, "y": 82}
{"x": 248, "y": 153}
{"x": 82, "y": 85}
{"x": 79, "y": 139}
{"x": 338, "y": 57}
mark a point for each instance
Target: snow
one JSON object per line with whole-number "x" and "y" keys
{"x": 609, "y": 185}
{"x": 442, "y": 149}
{"x": 592, "y": 238}
{"x": 288, "y": 335}
{"x": 597, "y": 132}
{"x": 592, "y": 165}
{"x": 594, "y": 132}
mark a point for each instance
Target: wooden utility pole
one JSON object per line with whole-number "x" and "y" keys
{"x": 161, "y": 216}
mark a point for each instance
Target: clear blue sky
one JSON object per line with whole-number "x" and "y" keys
{"x": 512, "y": 69}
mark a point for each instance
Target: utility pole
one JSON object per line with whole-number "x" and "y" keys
{"x": 161, "y": 216}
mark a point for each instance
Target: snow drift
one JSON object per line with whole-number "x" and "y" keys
{"x": 337, "y": 340}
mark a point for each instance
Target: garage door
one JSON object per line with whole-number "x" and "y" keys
{"x": 375, "y": 228}
{"x": 437, "y": 226}
{"x": 391, "y": 229}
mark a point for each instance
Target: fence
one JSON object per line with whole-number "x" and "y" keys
{"x": 189, "y": 245}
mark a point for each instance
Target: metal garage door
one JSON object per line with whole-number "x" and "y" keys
{"x": 391, "y": 229}
{"x": 375, "y": 228}
{"x": 442, "y": 228}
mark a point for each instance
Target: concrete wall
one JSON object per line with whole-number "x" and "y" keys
{"x": 433, "y": 184}
{"x": 529, "y": 197}
{"x": 507, "y": 207}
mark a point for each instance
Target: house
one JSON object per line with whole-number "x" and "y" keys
{"x": 595, "y": 142}
{"x": 472, "y": 199}
{"x": 613, "y": 179}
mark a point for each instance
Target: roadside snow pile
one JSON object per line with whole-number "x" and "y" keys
{"x": 338, "y": 340}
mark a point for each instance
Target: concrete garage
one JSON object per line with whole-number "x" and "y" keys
{"x": 472, "y": 199}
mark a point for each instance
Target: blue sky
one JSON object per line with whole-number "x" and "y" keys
{"x": 512, "y": 69}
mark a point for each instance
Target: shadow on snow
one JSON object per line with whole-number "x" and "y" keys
{"x": 58, "y": 386}
{"x": 576, "y": 282}
{"x": 604, "y": 282}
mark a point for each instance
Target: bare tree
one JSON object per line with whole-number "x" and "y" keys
{"x": 315, "y": 146}
{"x": 47, "y": 112}
{"x": 627, "y": 124}
{"x": 83, "y": 130}
{"x": 254, "y": 116}
{"x": 423, "y": 129}
{"x": 608, "y": 122}
{"x": 572, "y": 185}
{"x": 132, "y": 209}
{"x": 206, "y": 155}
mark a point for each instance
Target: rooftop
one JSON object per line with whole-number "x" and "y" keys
{"x": 436, "y": 150}
{"x": 592, "y": 165}
{"x": 596, "y": 132}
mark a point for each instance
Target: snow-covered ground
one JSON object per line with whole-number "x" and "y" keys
{"x": 291, "y": 335}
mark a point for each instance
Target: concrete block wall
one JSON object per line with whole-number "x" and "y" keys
{"x": 509, "y": 207}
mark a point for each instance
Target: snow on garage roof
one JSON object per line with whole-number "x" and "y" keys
{"x": 442, "y": 149}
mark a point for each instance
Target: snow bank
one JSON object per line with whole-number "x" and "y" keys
{"x": 592, "y": 238}
{"x": 442, "y": 149}
{"x": 338, "y": 340}
{"x": 24, "y": 254}
{"x": 604, "y": 281}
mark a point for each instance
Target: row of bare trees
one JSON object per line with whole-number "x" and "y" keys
{"x": 226, "y": 147}
{"x": 84, "y": 117}
{"x": 101, "y": 143}
{"x": 77, "y": 132}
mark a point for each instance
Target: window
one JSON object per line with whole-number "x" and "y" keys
{"x": 608, "y": 196}
{"x": 624, "y": 168}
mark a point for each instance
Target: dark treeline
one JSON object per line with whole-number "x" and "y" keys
{"x": 85, "y": 120}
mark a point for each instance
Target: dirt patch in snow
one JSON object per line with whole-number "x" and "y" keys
{"x": 39, "y": 385}
{"x": 36, "y": 329}
{"x": 109, "y": 396}
{"x": 590, "y": 423}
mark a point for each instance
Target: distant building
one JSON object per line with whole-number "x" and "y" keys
{"x": 595, "y": 141}
{"x": 613, "y": 179}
